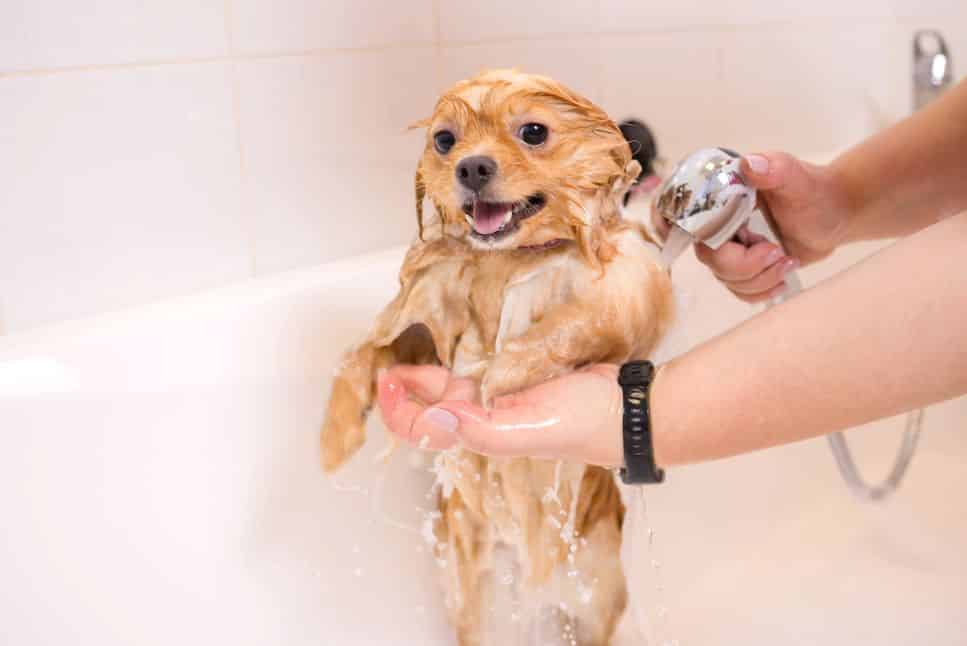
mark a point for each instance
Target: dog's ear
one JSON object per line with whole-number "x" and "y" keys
{"x": 622, "y": 183}
{"x": 420, "y": 189}
{"x": 418, "y": 184}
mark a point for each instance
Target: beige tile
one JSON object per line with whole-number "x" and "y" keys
{"x": 52, "y": 33}
{"x": 920, "y": 8}
{"x": 804, "y": 90}
{"x": 890, "y": 99}
{"x": 121, "y": 187}
{"x": 479, "y": 21}
{"x": 751, "y": 12}
{"x": 298, "y": 25}
{"x": 330, "y": 162}
{"x": 671, "y": 83}
{"x": 654, "y": 16}
{"x": 573, "y": 61}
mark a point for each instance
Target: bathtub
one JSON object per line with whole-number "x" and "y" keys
{"x": 159, "y": 484}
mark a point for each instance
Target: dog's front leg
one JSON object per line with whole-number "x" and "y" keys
{"x": 621, "y": 318}
{"x": 352, "y": 395}
{"x": 419, "y": 326}
{"x": 570, "y": 336}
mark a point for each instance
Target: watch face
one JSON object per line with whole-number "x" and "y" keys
{"x": 636, "y": 373}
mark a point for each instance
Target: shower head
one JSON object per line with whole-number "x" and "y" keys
{"x": 707, "y": 197}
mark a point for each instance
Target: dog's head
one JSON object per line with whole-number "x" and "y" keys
{"x": 518, "y": 160}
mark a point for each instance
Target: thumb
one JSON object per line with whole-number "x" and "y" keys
{"x": 773, "y": 171}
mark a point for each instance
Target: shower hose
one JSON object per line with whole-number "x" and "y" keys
{"x": 837, "y": 441}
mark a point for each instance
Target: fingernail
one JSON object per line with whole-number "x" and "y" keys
{"x": 758, "y": 164}
{"x": 791, "y": 265}
{"x": 774, "y": 256}
{"x": 443, "y": 420}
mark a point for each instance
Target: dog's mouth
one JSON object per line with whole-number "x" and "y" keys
{"x": 493, "y": 220}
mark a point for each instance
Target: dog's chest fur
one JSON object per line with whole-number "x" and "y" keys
{"x": 507, "y": 298}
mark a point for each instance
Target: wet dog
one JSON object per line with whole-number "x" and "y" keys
{"x": 524, "y": 270}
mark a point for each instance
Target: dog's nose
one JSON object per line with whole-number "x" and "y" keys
{"x": 475, "y": 172}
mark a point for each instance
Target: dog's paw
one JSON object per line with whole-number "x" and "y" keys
{"x": 344, "y": 430}
{"x": 510, "y": 372}
{"x": 340, "y": 441}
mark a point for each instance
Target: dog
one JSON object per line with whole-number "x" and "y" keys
{"x": 525, "y": 270}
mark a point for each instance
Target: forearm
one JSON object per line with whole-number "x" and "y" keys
{"x": 888, "y": 336}
{"x": 910, "y": 175}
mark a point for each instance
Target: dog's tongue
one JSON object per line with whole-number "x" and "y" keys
{"x": 488, "y": 217}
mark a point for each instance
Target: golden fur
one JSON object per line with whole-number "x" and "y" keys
{"x": 512, "y": 312}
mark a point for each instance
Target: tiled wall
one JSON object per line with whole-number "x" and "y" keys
{"x": 149, "y": 149}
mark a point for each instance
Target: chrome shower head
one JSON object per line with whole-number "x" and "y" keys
{"x": 707, "y": 197}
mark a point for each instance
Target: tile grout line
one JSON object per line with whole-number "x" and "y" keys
{"x": 439, "y": 42}
{"x": 104, "y": 67}
{"x": 598, "y": 41}
{"x": 244, "y": 203}
{"x": 435, "y": 17}
{"x": 205, "y": 60}
{"x": 437, "y": 45}
{"x": 723, "y": 28}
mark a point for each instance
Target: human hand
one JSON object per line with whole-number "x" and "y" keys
{"x": 810, "y": 210}
{"x": 575, "y": 417}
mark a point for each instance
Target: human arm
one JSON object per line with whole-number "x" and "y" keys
{"x": 889, "y": 335}
{"x": 897, "y": 182}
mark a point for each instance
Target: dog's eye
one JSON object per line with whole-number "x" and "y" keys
{"x": 533, "y": 134}
{"x": 443, "y": 141}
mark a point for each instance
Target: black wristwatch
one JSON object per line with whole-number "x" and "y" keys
{"x": 635, "y": 381}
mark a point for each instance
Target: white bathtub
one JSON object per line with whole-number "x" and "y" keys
{"x": 159, "y": 484}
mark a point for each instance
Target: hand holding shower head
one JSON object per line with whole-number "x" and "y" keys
{"x": 706, "y": 200}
